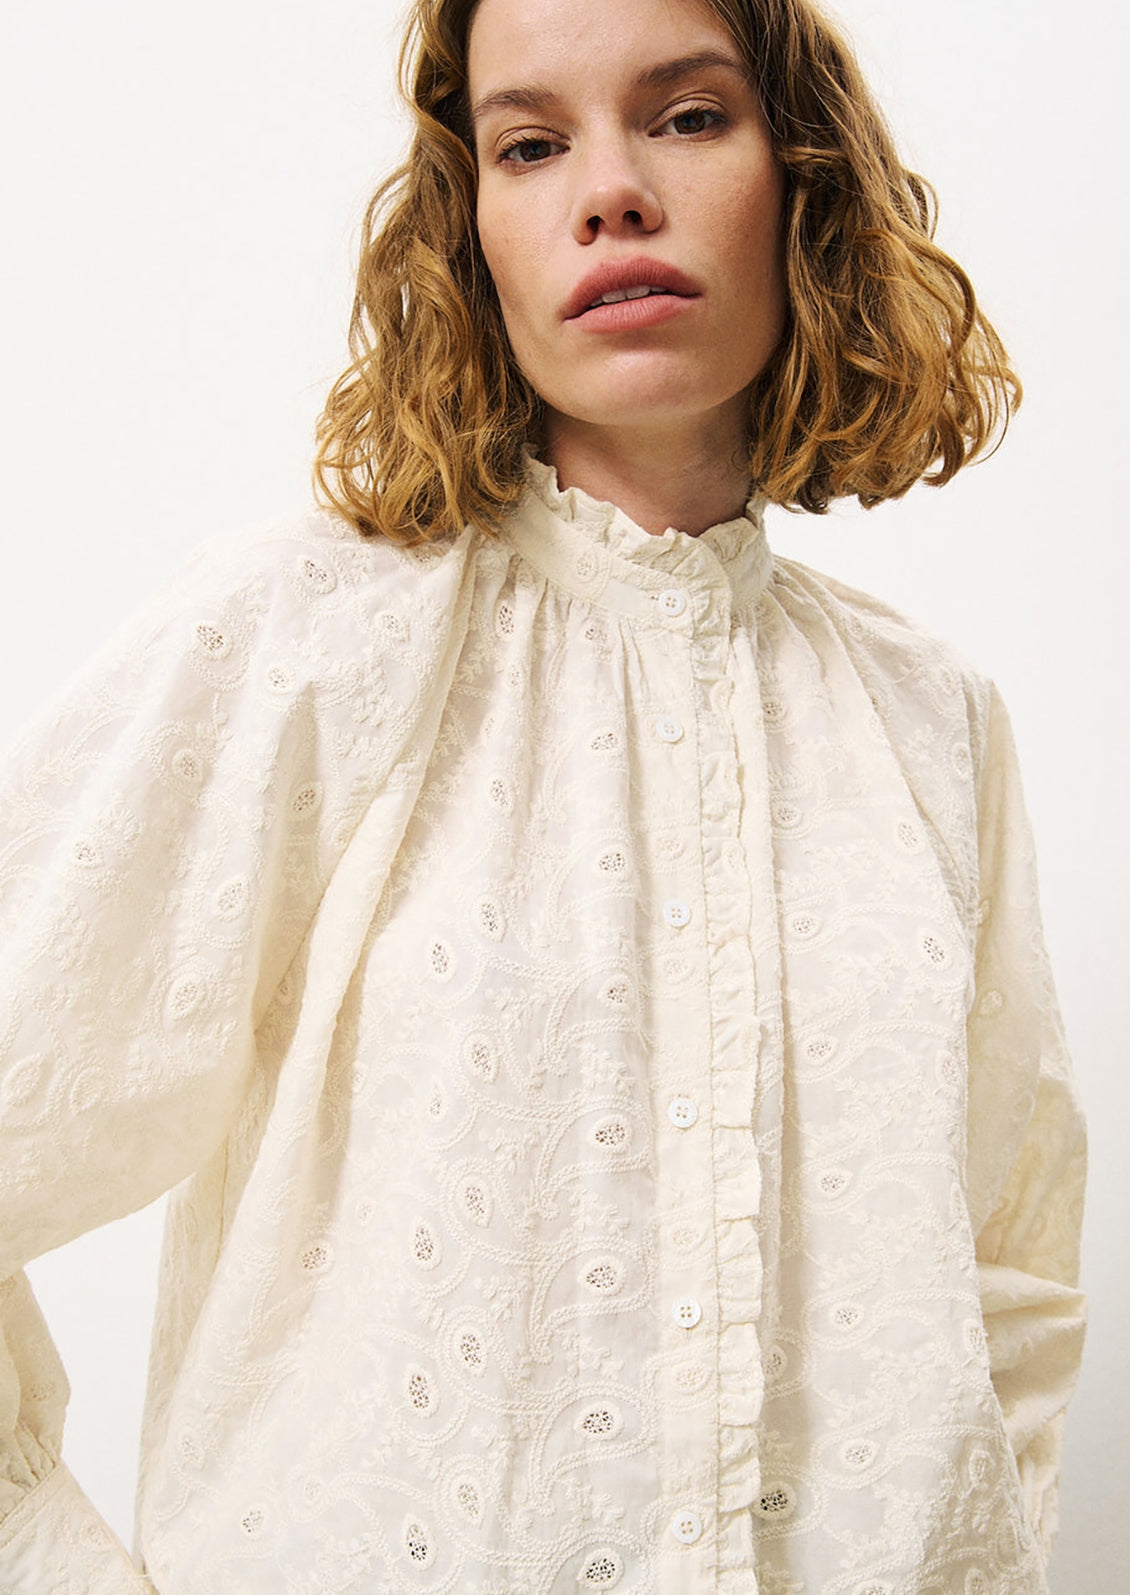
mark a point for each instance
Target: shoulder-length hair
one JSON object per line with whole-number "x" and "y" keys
{"x": 887, "y": 372}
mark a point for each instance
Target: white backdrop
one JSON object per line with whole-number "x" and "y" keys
{"x": 180, "y": 197}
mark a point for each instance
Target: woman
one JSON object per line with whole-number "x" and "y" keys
{"x": 586, "y": 974}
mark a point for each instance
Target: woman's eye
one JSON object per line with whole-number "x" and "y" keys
{"x": 527, "y": 151}
{"x": 698, "y": 119}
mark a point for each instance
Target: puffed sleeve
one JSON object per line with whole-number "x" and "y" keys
{"x": 166, "y": 832}
{"x": 1026, "y": 1153}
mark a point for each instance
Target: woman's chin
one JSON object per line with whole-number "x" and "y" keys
{"x": 666, "y": 411}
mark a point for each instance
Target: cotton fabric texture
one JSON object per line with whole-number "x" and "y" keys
{"x": 587, "y": 991}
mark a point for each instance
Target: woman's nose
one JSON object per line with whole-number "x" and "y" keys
{"x": 614, "y": 197}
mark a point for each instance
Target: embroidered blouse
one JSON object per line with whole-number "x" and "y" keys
{"x": 587, "y": 992}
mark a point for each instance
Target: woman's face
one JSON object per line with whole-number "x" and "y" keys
{"x": 621, "y": 147}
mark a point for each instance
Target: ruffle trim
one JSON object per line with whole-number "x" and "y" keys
{"x": 585, "y": 543}
{"x": 737, "y": 1173}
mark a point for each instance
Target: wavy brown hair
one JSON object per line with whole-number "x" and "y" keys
{"x": 887, "y": 372}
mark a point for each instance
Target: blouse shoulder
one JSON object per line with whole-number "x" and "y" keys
{"x": 935, "y": 713}
{"x": 899, "y": 657}
{"x": 296, "y": 608}
{"x": 317, "y": 556}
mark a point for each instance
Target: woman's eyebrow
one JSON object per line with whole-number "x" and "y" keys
{"x": 667, "y": 72}
{"x": 536, "y": 98}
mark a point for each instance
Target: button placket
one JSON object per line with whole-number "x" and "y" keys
{"x": 671, "y": 724}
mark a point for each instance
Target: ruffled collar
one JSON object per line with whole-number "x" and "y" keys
{"x": 592, "y": 546}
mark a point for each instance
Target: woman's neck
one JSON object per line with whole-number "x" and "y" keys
{"x": 659, "y": 478}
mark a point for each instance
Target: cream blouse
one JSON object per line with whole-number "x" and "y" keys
{"x": 587, "y": 991}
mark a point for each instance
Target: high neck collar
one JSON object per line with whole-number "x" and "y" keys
{"x": 592, "y": 547}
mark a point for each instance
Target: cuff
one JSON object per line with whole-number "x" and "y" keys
{"x": 55, "y": 1543}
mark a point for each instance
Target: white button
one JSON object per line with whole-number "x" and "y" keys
{"x": 677, "y": 913}
{"x": 682, "y": 1112}
{"x": 686, "y": 1312}
{"x": 672, "y": 602}
{"x": 668, "y": 729}
{"x": 686, "y": 1527}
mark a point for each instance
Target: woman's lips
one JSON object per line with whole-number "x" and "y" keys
{"x": 628, "y": 276}
{"x": 628, "y": 315}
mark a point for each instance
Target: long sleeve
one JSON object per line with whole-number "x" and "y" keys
{"x": 52, "y": 1540}
{"x": 1027, "y": 1158}
{"x": 168, "y": 828}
